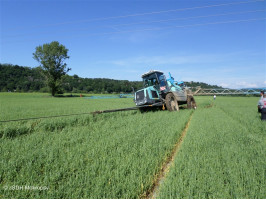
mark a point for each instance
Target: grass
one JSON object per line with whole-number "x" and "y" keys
{"x": 119, "y": 155}
{"x": 114, "y": 155}
{"x": 223, "y": 155}
{"x": 25, "y": 105}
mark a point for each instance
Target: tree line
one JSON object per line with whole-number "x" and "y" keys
{"x": 26, "y": 79}
{"x": 15, "y": 78}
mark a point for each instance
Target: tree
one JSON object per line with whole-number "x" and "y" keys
{"x": 52, "y": 58}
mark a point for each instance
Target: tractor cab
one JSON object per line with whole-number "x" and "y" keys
{"x": 155, "y": 79}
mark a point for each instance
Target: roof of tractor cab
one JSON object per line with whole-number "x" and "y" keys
{"x": 151, "y": 72}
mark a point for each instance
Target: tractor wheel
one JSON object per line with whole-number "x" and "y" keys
{"x": 171, "y": 102}
{"x": 191, "y": 103}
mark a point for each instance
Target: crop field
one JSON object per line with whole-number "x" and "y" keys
{"x": 123, "y": 154}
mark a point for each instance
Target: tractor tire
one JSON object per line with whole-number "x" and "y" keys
{"x": 191, "y": 103}
{"x": 171, "y": 102}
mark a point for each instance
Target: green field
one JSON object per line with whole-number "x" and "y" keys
{"x": 120, "y": 155}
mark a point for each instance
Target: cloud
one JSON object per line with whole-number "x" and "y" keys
{"x": 164, "y": 60}
{"x": 224, "y": 62}
{"x": 238, "y": 84}
{"x": 244, "y": 84}
{"x": 211, "y": 68}
{"x": 224, "y": 85}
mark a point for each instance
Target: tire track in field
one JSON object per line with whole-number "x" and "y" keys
{"x": 169, "y": 162}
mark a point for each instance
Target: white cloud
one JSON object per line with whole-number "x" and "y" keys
{"x": 224, "y": 85}
{"x": 164, "y": 60}
{"x": 244, "y": 84}
{"x": 237, "y": 84}
{"x": 215, "y": 69}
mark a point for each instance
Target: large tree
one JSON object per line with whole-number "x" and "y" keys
{"x": 52, "y": 58}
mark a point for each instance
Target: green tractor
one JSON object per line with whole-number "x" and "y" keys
{"x": 160, "y": 92}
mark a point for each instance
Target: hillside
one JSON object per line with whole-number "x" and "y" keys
{"x": 25, "y": 79}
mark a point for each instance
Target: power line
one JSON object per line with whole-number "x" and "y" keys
{"x": 183, "y": 26}
{"x": 159, "y": 12}
{"x": 161, "y": 28}
{"x": 185, "y": 18}
{"x": 157, "y": 21}
{"x": 147, "y": 13}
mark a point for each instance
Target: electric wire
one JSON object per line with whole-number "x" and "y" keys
{"x": 146, "y": 29}
{"x": 145, "y": 22}
{"x": 159, "y": 12}
{"x": 179, "y": 26}
{"x": 147, "y": 13}
{"x": 185, "y": 18}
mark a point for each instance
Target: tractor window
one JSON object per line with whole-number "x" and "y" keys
{"x": 146, "y": 84}
{"x": 151, "y": 80}
{"x": 154, "y": 81}
{"x": 162, "y": 80}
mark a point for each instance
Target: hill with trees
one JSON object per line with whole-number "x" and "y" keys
{"x": 26, "y": 79}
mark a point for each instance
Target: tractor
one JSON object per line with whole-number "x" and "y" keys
{"x": 160, "y": 92}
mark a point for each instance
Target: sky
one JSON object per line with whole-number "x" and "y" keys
{"x": 219, "y": 42}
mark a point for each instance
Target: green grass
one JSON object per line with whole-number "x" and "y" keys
{"x": 119, "y": 155}
{"x": 25, "y": 105}
{"x": 223, "y": 154}
{"x": 114, "y": 155}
